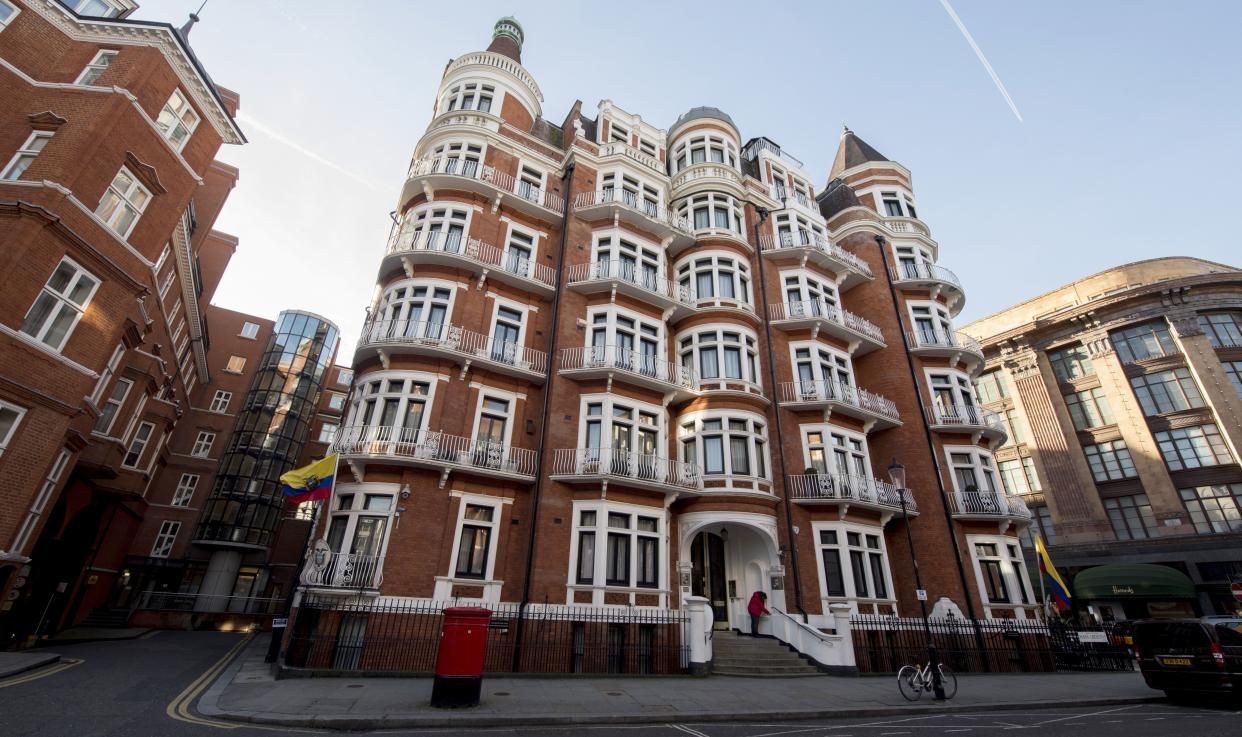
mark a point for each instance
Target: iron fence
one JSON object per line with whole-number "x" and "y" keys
{"x": 403, "y": 637}
{"x": 883, "y": 644}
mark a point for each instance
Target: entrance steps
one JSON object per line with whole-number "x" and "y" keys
{"x": 106, "y": 618}
{"x": 757, "y": 657}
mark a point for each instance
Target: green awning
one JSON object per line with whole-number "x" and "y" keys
{"x": 1137, "y": 581}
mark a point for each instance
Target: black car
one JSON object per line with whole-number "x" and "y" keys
{"x": 1184, "y": 656}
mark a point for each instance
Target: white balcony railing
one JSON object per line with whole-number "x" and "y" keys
{"x": 630, "y": 273}
{"x": 988, "y": 504}
{"x": 967, "y": 415}
{"x": 453, "y": 339}
{"x": 435, "y": 448}
{"x": 944, "y": 339}
{"x": 621, "y": 463}
{"x": 847, "y": 488}
{"x": 822, "y": 310}
{"x": 787, "y": 195}
{"x": 627, "y": 360}
{"x": 707, "y": 170}
{"x": 617, "y": 148}
{"x": 925, "y": 271}
{"x": 471, "y": 169}
{"x": 829, "y": 391}
{"x": 806, "y": 239}
{"x": 906, "y": 225}
{"x": 470, "y": 249}
{"x": 344, "y": 571}
{"x": 631, "y": 201}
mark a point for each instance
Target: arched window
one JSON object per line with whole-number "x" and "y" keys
{"x": 717, "y": 276}
{"x": 712, "y": 210}
{"x": 726, "y": 444}
{"x": 721, "y": 353}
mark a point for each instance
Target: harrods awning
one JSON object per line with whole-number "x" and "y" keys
{"x": 1135, "y": 581}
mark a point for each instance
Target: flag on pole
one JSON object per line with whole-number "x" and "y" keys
{"x": 1060, "y": 592}
{"x": 310, "y": 483}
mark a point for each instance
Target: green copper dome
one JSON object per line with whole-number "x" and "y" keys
{"x": 509, "y": 26}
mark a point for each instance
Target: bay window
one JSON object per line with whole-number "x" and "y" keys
{"x": 617, "y": 186}
{"x": 712, "y": 210}
{"x": 622, "y": 437}
{"x": 435, "y": 228}
{"x": 617, "y": 545}
{"x": 704, "y": 149}
{"x": 953, "y": 397}
{"x": 716, "y": 276}
{"x": 932, "y": 324}
{"x": 913, "y": 261}
{"x": 1000, "y": 570}
{"x": 625, "y": 340}
{"x": 717, "y": 353}
{"x": 796, "y": 230}
{"x": 897, "y": 204}
{"x": 469, "y": 96}
{"x": 829, "y": 450}
{"x": 414, "y": 310}
{"x": 853, "y": 561}
{"x": 392, "y": 407}
{"x": 973, "y": 472}
{"x": 624, "y": 257}
{"x": 809, "y": 294}
{"x": 358, "y": 527}
{"x": 726, "y": 443}
{"x": 821, "y": 371}
{"x": 460, "y": 158}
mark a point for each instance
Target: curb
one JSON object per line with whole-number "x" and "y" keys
{"x": 45, "y": 659}
{"x": 83, "y": 640}
{"x": 208, "y": 707}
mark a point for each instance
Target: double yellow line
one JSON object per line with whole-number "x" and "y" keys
{"x": 179, "y": 708}
{"x": 57, "y": 667}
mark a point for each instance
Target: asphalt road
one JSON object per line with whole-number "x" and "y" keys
{"x": 133, "y": 689}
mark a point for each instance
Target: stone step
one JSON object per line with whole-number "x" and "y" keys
{"x": 719, "y": 662}
{"x": 743, "y": 670}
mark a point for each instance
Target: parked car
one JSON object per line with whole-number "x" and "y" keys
{"x": 1122, "y": 633}
{"x": 1185, "y": 656}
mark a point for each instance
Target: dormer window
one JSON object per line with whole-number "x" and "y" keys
{"x": 97, "y": 8}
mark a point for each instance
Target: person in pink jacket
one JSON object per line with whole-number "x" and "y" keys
{"x": 757, "y": 608}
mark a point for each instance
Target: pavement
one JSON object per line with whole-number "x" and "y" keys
{"x": 23, "y": 660}
{"x": 246, "y": 691}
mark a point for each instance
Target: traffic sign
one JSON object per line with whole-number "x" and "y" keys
{"x": 1236, "y": 589}
{"x": 921, "y": 594}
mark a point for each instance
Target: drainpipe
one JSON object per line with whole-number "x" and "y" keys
{"x": 780, "y": 436}
{"x": 931, "y": 449}
{"x": 567, "y": 182}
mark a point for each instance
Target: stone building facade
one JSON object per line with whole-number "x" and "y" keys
{"x": 119, "y": 379}
{"x": 610, "y": 363}
{"x": 1122, "y": 393}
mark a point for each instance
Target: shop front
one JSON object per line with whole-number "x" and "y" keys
{"x": 1136, "y": 591}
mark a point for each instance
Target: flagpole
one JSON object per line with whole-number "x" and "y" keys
{"x": 1043, "y": 595}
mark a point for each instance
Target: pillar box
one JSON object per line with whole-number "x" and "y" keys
{"x": 459, "y": 660}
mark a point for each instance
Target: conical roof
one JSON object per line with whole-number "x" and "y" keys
{"x": 852, "y": 152}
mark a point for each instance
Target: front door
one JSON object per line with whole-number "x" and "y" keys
{"x": 707, "y": 561}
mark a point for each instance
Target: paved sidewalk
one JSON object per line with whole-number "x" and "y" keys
{"x": 23, "y": 660}
{"x": 248, "y": 692}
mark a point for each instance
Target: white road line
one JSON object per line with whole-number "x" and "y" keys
{"x": 1083, "y": 716}
{"x": 687, "y": 730}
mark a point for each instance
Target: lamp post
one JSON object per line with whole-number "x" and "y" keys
{"x": 897, "y": 474}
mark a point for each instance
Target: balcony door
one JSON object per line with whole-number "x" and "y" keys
{"x": 492, "y": 435}
{"x": 507, "y": 336}
{"x": 932, "y": 324}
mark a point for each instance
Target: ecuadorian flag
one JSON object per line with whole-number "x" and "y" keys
{"x": 310, "y": 483}
{"x": 1060, "y": 592}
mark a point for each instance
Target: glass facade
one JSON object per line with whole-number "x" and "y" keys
{"x": 273, "y": 424}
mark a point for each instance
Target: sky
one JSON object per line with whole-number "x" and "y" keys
{"x": 1130, "y": 120}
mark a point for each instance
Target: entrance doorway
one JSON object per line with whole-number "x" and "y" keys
{"x": 707, "y": 575}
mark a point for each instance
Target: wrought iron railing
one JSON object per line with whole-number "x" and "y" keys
{"x": 966, "y": 414}
{"x": 822, "y": 310}
{"x": 631, "y": 273}
{"x": 631, "y": 201}
{"x": 433, "y": 447}
{"x": 988, "y": 504}
{"x": 625, "y": 463}
{"x": 832, "y": 486}
{"x": 454, "y": 339}
{"x": 827, "y": 391}
{"x": 806, "y": 239}
{"x": 344, "y": 571}
{"x": 505, "y": 182}
{"x": 944, "y": 339}
{"x": 629, "y": 361}
{"x": 924, "y": 271}
{"x": 407, "y": 240}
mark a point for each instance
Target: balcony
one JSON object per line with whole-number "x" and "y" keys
{"x": 633, "y": 367}
{"x": 969, "y": 419}
{"x": 1005, "y": 509}
{"x": 384, "y": 338}
{"x": 627, "y": 207}
{"x": 411, "y": 446}
{"x": 627, "y": 467}
{"x": 427, "y": 175}
{"x": 954, "y": 346}
{"x": 805, "y": 247}
{"x": 925, "y": 276}
{"x": 907, "y": 226}
{"x": 846, "y": 490}
{"x": 819, "y": 316}
{"x": 617, "y": 149}
{"x": 343, "y": 573}
{"x": 793, "y": 200}
{"x": 875, "y": 411}
{"x": 629, "y": 279}
{"x": 412, "y": 248}
{"x": 713, "y": 174}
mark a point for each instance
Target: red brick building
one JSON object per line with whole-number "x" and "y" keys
{"x": 115, "y": 368}
{"x": 614, "y": 364}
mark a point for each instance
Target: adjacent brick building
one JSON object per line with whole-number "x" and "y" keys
{"x": 1123, "y": 396}
{"x": 610, "y": 363}
{"x": 115, "y": 368}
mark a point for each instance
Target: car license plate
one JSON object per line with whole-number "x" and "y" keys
{"x": 1185, "y": 662}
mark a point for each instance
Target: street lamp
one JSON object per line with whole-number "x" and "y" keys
{"x": 897, "y": 474}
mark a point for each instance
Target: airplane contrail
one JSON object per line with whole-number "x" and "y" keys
{"x": 280, "y": 138}
{"x": 979, "y": 53}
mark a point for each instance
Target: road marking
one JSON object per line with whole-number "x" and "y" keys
{"x": 179, "y": 708}
{"x": 53, "y": 669}
{"x": 149, "y": 635}
{"x": 687, "y": 730}
{"x": 1083, "y": 716}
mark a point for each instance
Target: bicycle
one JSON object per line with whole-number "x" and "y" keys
{"x": 913, "y": 680}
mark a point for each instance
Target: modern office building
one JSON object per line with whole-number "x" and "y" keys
{"x": 1122, "y": 396}
{"x": 611, "y": 363}
{"x": 119, "y": 381}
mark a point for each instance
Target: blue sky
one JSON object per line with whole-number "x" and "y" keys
{"x": 1127, "y": 150}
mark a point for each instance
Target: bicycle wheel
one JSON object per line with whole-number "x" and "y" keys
{"x": 909, "y": 682}
{"x": 948, "y": 679}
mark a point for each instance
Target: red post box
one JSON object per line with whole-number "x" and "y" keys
{"x": 459, "y": 660}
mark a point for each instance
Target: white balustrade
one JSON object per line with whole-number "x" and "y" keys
{"x": 617, "y": 148}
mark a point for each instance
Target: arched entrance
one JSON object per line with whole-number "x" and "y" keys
{"x": 727, "y": 557}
